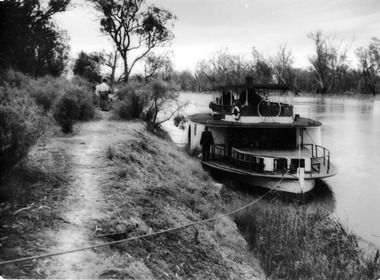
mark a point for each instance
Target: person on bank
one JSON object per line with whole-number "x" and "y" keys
{"x": 102, "y": 91}
{"x": 206, "y": 141}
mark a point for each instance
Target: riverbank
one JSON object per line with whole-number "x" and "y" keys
{"x": 115, "y": 180}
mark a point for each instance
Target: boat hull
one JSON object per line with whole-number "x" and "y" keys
{"x": 283, "y": 185}
{"x": 287, "y": 184}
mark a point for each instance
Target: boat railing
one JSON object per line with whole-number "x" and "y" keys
{"x": 319, "y": 156}
{"x": 320, "y": 159}
{"x": 233, "y": 158}
{"x": 270, "y": 109}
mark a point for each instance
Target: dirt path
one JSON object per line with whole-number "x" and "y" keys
{"x": 85, "y": 202}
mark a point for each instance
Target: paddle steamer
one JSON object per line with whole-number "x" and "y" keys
{"x": 261, "y": 140}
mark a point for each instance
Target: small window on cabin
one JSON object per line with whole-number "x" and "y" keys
{"x": 195, "y": 129}
{"x": 298, "y": 162}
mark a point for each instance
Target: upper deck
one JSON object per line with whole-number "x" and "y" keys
{"x": 209, "y": 120}
{"x": 256, "y": 104}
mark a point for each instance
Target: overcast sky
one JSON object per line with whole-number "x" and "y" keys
{"x": 206, "y": 26}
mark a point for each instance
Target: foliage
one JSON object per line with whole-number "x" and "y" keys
{"x": 156, "y": 63}
{"x": 29, "y": 41}
{"x": 282, "y": 65}
{"x": 84, "y": 95}
{"x": 133, "y": 99}
{"x": 66, "y": 112}
{"x": 180, "y": 121}
{"x": 14, "y": 79}
{"x": 134, "y": 28}
{"x": 88, "y": 66}
{"x": 162, "y": 96}
{"x": 369, "y": 59}
{"x": 329, "y": 71}
{"x": 329, "y": 62}
{"x": 76, "y": 103}
{"x": 223, "y": 68}
{"x": 47, "y": 90}
{"x": 148, "y": 101}
{"x": 21, "y": 124}
{"x": 293, "y": 242}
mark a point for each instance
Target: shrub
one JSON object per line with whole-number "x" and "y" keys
{"x": 66, "y": 112}
{"x": 123, "y": 110}
{"x": 74, "y": 104}
{"x": 15, "y": 79}
{"x": 133, "y": 99}
{"x": 12, "y": 146}
{"x": 110, "y": 152}
{"x": 21, "y": 124}
{"x": 46, "y": 91}
{"x": 82, "y": 90}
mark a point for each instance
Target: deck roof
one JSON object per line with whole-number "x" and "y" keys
{"x": 283, "y": 87}
{"x": 207, "y": 119}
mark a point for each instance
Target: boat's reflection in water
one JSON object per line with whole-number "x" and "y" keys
{"x": 322, "y": 196}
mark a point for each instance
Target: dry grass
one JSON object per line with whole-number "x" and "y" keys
{"x": 293, "y": 242}
{"x": 159, "y": 187}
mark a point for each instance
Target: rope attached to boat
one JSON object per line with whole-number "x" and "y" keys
{"x": 141, "y": 236}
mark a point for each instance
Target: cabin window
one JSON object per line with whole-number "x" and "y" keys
{"x": 242, "y": 98}
{"x": 264, "y": 138}
{"x": 226, "y": 99}
{"x": 280, "y": 164}
{"x": 298, "y": 162}
{"x": 195, "y": 129}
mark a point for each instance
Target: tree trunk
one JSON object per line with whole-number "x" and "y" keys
{"x": 126, "y": 71}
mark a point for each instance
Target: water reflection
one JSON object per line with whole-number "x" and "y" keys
{"x": 322, "y": 196}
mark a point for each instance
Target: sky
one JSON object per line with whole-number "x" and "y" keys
{"x": 204, "y": 27}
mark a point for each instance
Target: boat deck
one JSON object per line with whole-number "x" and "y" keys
{"x": 319, "y": 170}
{"x": 209, "y": 120}
{"x": 304, "y": 152}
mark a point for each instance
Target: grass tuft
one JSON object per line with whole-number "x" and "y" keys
{"x": 110, "y": 152}
{"x": 293, "y": 242}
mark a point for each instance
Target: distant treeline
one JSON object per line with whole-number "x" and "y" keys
{"x": 32, "y": 43}
{"x": 330, "y": 70}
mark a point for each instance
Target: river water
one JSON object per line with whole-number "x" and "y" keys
{"x": 351, "y": 131}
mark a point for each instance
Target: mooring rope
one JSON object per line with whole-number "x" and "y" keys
{"x": 141, "y": 236}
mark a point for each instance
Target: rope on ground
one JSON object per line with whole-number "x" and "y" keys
{"x": 141, "y": 236}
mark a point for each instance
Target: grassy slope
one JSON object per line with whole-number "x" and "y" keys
{"x": 155, "y": 186}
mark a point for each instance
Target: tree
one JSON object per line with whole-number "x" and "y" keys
{"x": 88, "y": 66}
{"x": 370, "y": 66}
{"x": 328, "y": 61}
{"x": 110, "y": 60}
{"x": 282, "y": 65}
{"x": 29, "y": 41}
{"x": 222, "y": 68}
{"x": 136, "y": 30}
{"x": 162, "y": 97}
{"x": 186, "y": 81}
{"x": 155, "y": 63}
{"x": 263, "y": 71}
